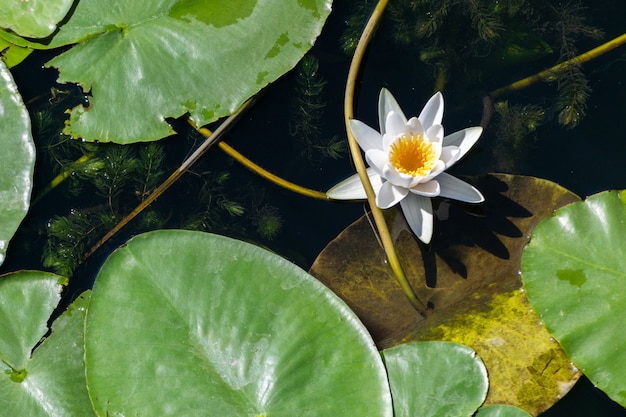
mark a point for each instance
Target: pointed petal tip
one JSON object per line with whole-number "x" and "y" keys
{"x": 426, "y": 234}
{"x": 456, "y": 189}
{"x": 418, "y": 212}
{"x": 386, "y": 104}
{"x": 432, "y": 113}
{"x": 352, "y": 189}
{"x": 348, "y": 189}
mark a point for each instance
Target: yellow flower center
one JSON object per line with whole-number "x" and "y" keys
{"x": 411, "y": 154}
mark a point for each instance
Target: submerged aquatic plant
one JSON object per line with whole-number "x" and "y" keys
{"x": 269, "y": 222}
{"x": 308, "y": 113}
{"x": 69, "y": 237}
{"x": 150, "y": 169}
{"x": 466, "y": 41}
{"x": 217, "y": 209}
{"x": 355, "y": 23}
{"x": 111, "y": 174}
{"x": 573, "y": 87}
{"x": 515, "y": 128}
{"x": 407, "y": 162}
{"x": 445, "y": 34}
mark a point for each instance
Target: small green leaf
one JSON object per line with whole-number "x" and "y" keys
{"x": 187, "y": 323}
{"x": 574, "y": 271}
{"x": 18, "y": 375}
{"x": 17, "y": 159}
{"x": 432, "y": 379}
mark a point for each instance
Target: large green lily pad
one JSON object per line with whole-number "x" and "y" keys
{"x": 574, "y": 270}
{"x": 145, "y": 61}
{"x": 33, "y": 18}
{"x": 17, "y": 159}
{"x": 469, "y": 277}
{"x": 49, "y": 380}
{"x": 433, "y": 379}
{"x": 186, "y": 323}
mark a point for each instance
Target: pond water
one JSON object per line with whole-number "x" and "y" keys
{"x": 585, "y": 159}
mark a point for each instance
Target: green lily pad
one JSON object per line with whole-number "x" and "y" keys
{"x": 574, "y": 270}
{"x": 17, "y": 159}
{"x": 26, "y": 301}
{"x": 144, "y": 62}
{"x": 33, "y": 18}
{"x": 432, "y": 379}
{"x": 182, "y": 323}
{"x": 469, "y": 277}
{"x": 48, "y": 380}
{"x": 501, "y": 411}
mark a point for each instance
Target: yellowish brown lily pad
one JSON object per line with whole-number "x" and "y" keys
{"x": 469, "y": 279}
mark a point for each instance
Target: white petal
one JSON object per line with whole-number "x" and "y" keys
{"x": 394, "y": 124}
{"x": 389, "y": 195}
{"x": 427, "y": 189}
{"x": 463, "y": 139}
{"x": 418, "y": 211}
{"x": 437, "y": 169}
{"x": 456, "y": 189}
{"x": 386, "y": 104}
{"x": 376, "y": 160}
{"x": 352, "y": 189}
{"x": 432, "y": 114}
{"x": 435, "y": 133}
{"x": 450, "y": 155}
{"x": 388, "y": 140}
{"x": 437, "y": 148}
{"x": 397, "y": 178}
{"x": 415, "y": 126}
{"x": 367, "y": 137}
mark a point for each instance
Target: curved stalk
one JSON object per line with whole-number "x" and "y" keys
{"x": 381, "y": 225}
{"x": 269, "y": 176}
{"x": 211, "y": 140}
{"x": 549, "y": 74}
{"x": 230, "y": 151}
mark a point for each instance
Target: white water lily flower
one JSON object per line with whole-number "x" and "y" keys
{"x": 407, "y": 161}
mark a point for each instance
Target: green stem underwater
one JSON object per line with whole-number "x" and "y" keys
{"x": 62, "y": 176}
{"x": 549, "y": 74}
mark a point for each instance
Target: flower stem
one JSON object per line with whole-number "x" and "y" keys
{"x": 230, "y": 151}
{"x": 550, "y": 74}
{"x": 355, "y": 150}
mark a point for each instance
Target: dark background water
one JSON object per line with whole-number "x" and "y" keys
{"x": 586, "y": 159}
